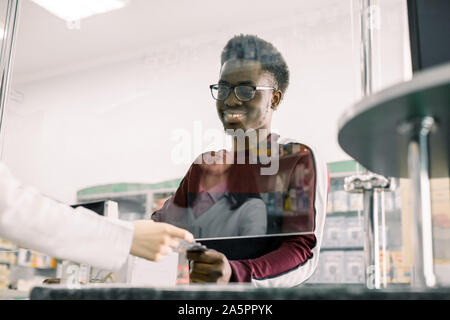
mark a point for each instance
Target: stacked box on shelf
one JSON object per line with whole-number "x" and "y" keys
{"x": 31, "y": 258}
{"x": 353, "y": 266}
{"x": 343, "y": 232}
{"x": 4, "y": 276}
{"x": 7, "y": 257}
{"x": 354, "y": 232}
{"x": 355, "y": 201}
{"x": 331, "y": 267}
{"x": 334, "y": 232}
{"x": 340, "y": 201}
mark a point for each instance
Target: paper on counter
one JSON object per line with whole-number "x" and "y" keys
{"x": 161, "y": 273}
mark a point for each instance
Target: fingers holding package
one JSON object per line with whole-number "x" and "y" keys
{"x": 154, "y": 240}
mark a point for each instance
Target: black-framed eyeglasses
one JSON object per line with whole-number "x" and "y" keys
{"x": 242, "y": 92}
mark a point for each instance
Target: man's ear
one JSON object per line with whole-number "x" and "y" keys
{"x": 276, "y": 99}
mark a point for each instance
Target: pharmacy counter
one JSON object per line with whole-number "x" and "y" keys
{"x": 233, "y": 292}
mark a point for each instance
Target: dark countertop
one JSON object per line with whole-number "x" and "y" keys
{"x": 234, "y": 292}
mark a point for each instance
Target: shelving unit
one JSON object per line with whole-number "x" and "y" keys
{"x": 135, "y": 200}
{"x": 7, "y": 258}
{"x": 342, "y": 250}
{"x": 21, "y": 268}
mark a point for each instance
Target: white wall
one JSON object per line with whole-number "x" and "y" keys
{"x": 110, "y": 123}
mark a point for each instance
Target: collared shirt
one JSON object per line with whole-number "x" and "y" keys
{"x": 207, "y": 198}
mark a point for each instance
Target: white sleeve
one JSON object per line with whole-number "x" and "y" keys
{"x": 34, "y": 221}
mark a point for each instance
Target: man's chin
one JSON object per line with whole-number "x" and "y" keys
{"x": 229, "y": 128}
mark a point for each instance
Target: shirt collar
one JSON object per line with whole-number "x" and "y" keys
{"x": 215, "y": 192}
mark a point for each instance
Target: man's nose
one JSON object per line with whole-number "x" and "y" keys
{"x": 232, "y": 100}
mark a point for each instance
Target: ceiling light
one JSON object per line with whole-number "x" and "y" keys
{"x": 74, "y": 10}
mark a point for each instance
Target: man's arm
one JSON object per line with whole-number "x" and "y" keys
{"x": 292, "y": 253}
{"x": 304, "y": 210}
{"x": 298, "y": 216}
{"x": 295, "y": 259}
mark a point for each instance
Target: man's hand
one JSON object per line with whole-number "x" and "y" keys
{"x": 153, "y": 240}
{"x": 209, "y": 266}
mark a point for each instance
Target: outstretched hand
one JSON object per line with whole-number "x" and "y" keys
{"x": 154, "y": 240}
{"x": 209, "y": 266}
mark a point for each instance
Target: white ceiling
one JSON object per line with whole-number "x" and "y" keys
{"x": 44, "y": 42}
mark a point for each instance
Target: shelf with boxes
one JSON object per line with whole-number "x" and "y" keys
{"x": 21, "y": 268}
{"x": 135, "y": 200}
{"x": 342, "y": 249}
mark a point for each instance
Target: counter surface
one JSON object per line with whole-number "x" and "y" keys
{"x": 234, "y": 292}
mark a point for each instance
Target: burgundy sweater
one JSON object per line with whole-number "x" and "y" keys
{"x": 289, "y": 198}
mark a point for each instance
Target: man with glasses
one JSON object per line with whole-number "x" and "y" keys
{"x": 285, "y": 175}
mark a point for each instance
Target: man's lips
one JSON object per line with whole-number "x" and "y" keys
{"x": 233, "y": 115}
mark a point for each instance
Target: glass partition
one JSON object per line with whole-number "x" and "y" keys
{"x": 123, "y": 96}
{"x": 218, "y": 119}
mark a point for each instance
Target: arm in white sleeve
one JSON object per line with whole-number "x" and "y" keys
{"x": 34, "y": 221}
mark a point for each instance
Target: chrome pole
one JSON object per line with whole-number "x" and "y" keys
{"x": 6, "y": 54}
{"x": 371, "y": 242}
{"x": 371, "y": 186}
{"x": 383, "y": 236}
{"x": 366, "y": 49}
{"x": 418, "y": 169}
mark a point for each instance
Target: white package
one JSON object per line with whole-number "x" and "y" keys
{"x": 150, "y": 273}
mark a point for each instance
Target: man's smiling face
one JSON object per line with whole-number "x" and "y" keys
{"x": 253, "y": 114}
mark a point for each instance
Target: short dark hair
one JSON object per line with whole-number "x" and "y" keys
{"x": 250, "y": 47}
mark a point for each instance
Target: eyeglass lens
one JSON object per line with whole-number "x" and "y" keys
{"x": 243, "y": 93}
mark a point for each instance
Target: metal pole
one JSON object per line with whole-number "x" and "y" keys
{"x": 371, "y": 186}
{"x": 422, "y": 239}
{"x": 383, "y": 236}
{"x": 6, "y": 54}
{"x": 366, "y": 49}
{"x": 371, "y": 244}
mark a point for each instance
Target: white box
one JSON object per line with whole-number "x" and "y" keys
{"x": 162, "y": 273}
{"x": 354, "y": 266}
{"x": 332, "y": 267}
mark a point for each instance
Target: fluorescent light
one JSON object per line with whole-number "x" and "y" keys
{"x": 74, "y": 10}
